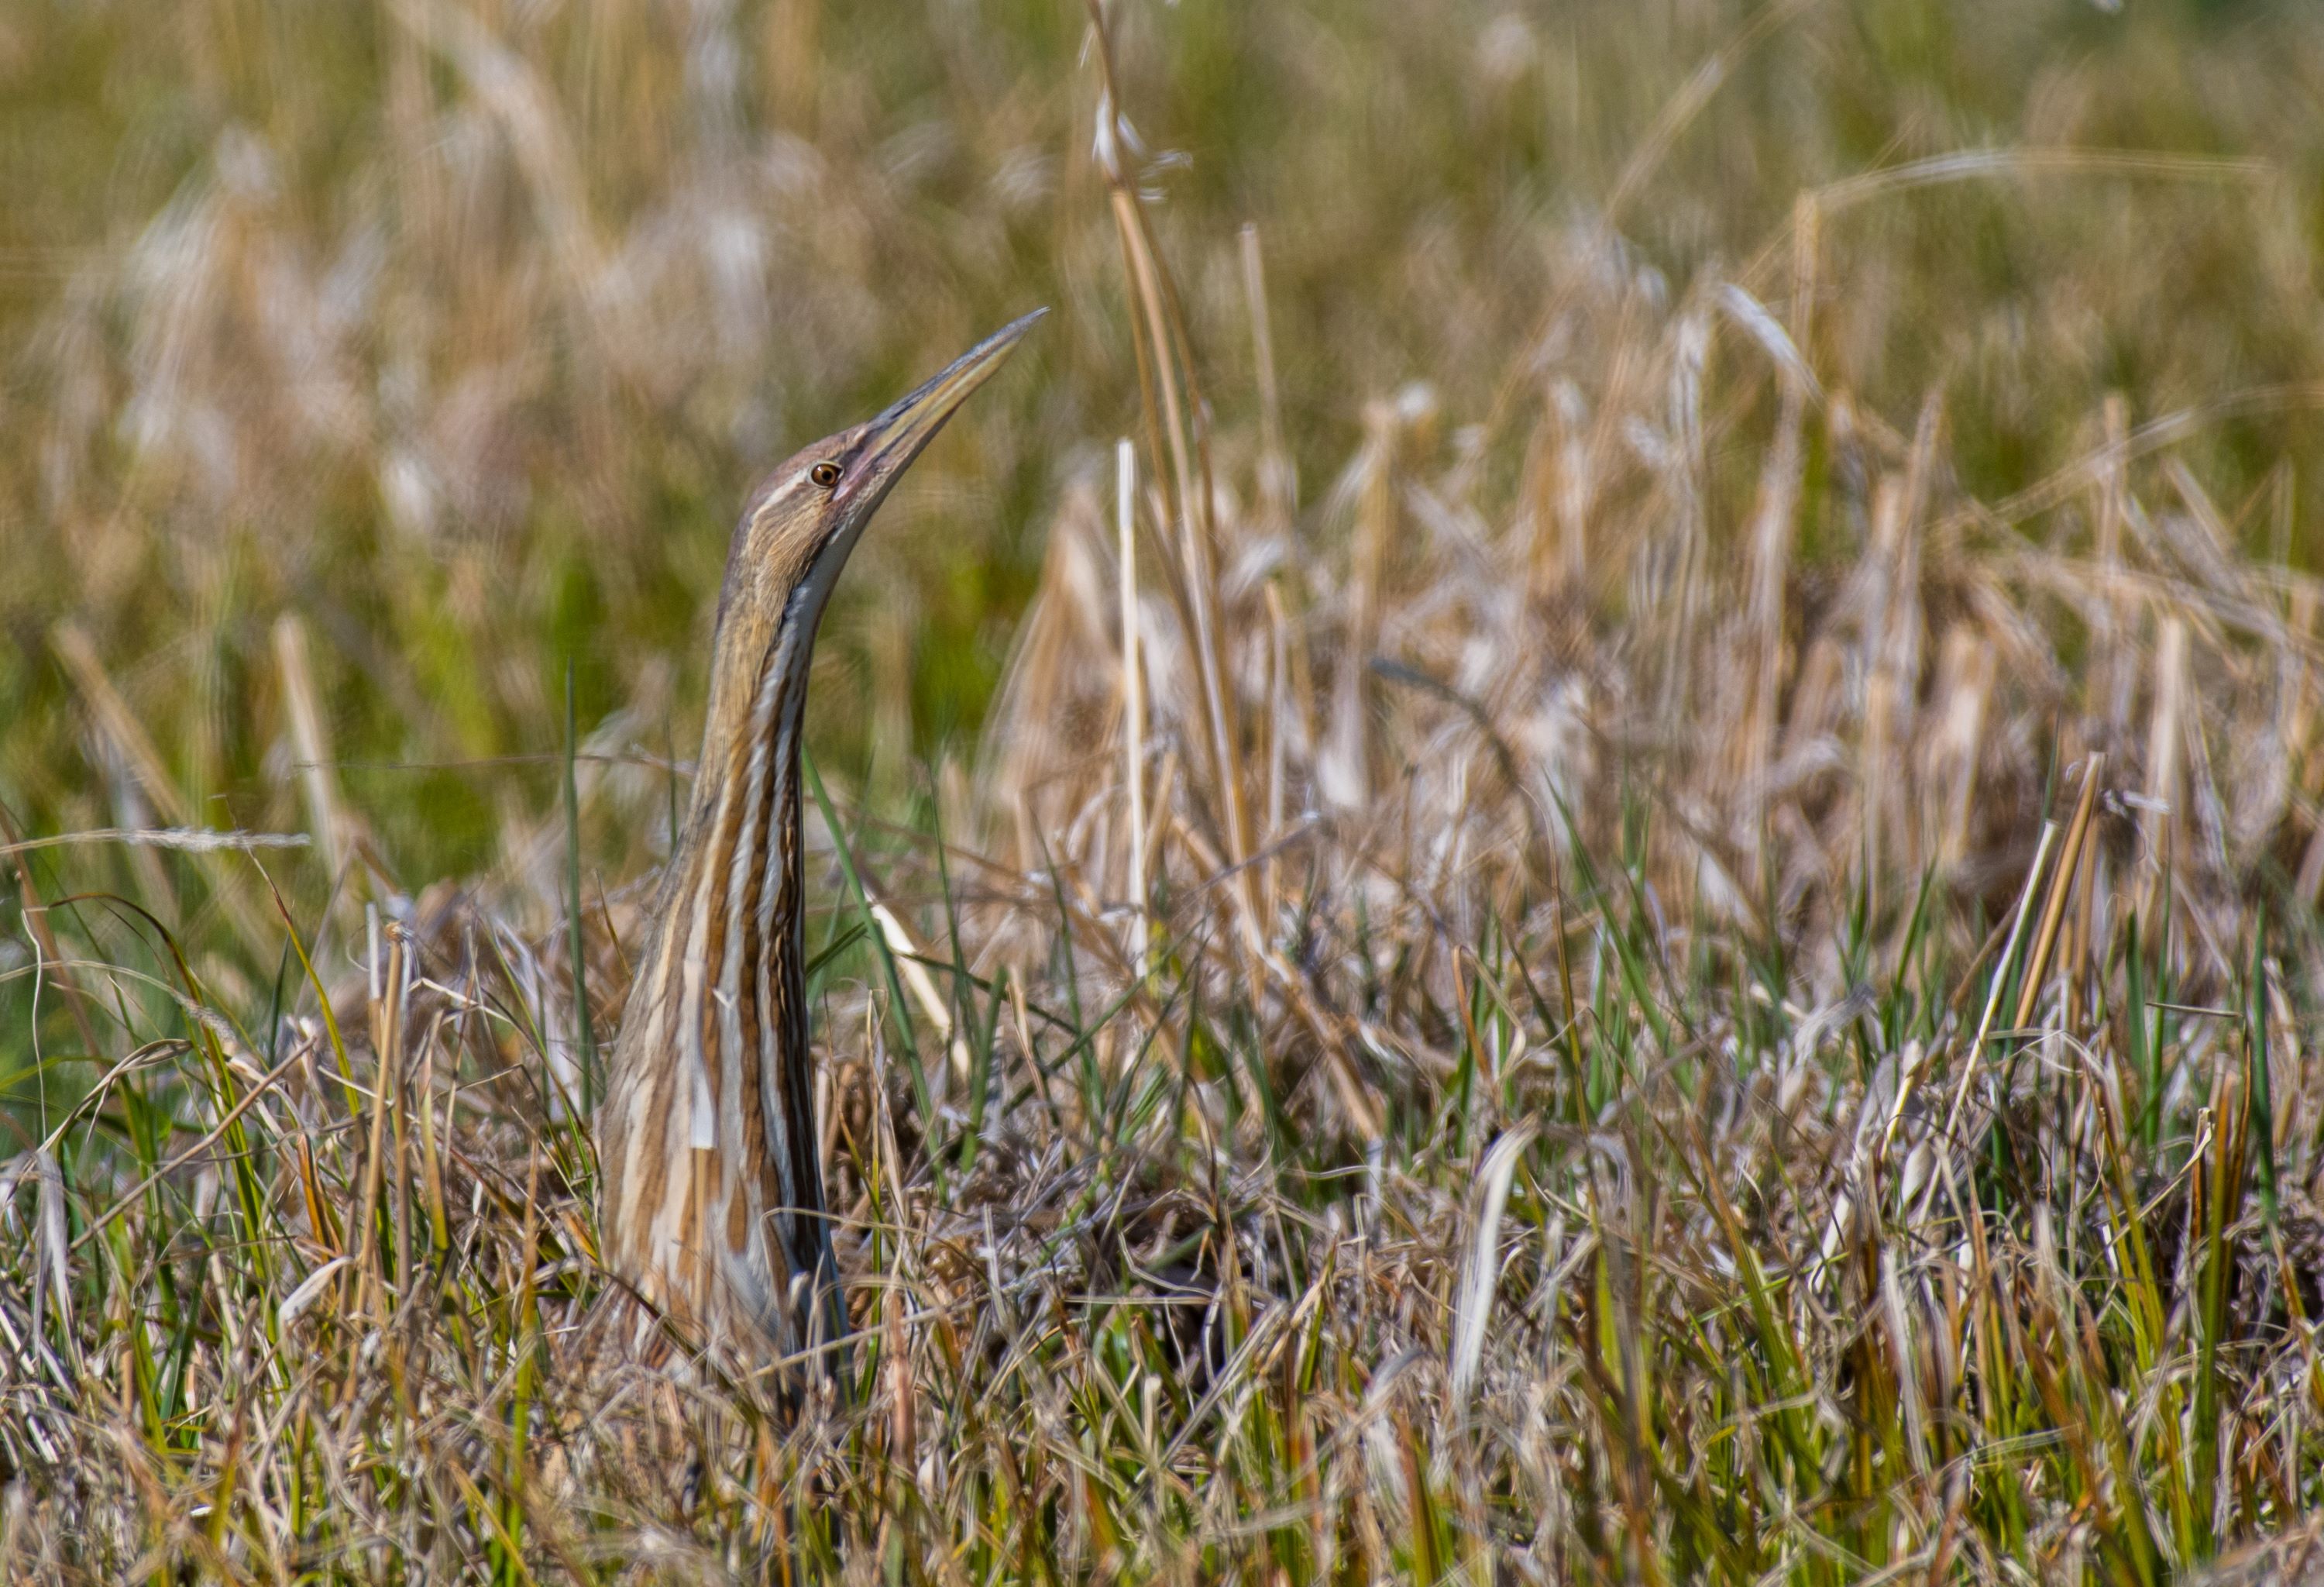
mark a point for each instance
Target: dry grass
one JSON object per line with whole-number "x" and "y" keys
{"x": 1705, "y": 966}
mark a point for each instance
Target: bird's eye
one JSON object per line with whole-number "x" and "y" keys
{"x": 825, "y": 474}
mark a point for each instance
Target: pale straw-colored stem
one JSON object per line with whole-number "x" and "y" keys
{"x": 312, "y": 743}
{"x": 1133, "y": 704}
{"x": 1972, "y": 1059}
{"x": 2053, "y": 910}
{"x": 1278, "y": 483}
{"x": 1278, "y": 719}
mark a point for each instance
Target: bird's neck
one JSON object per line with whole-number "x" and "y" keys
{"x": 736, "y": 921}
{"x": 744, "y": 839}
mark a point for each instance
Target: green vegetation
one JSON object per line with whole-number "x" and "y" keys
{"x": 1721, "y": 975}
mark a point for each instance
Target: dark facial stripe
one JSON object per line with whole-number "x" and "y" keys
{"x": 784, "y": 1053}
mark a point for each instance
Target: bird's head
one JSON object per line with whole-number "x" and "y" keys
{"x": 805, "y": 519}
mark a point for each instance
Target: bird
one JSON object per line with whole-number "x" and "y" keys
{"x": 711, "y": 1207}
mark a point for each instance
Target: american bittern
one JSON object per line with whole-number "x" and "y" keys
{"x": 712, "y": 1201}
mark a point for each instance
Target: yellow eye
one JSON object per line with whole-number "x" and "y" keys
{"x": 826, "y": 475}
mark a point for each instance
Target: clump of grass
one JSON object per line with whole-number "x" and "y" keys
{"x": 1694, "y": 998}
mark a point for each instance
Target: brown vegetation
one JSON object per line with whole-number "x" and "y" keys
{"x": 1703, "y": 964}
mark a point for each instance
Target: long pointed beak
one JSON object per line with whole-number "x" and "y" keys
{"x": 893, "y": 439}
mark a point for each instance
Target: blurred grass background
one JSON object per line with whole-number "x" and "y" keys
{"x": 460, "y": 333}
